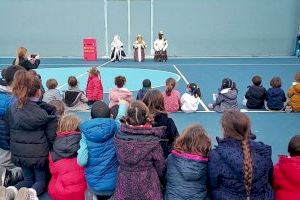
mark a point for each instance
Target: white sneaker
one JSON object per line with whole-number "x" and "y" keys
{"x": 26, "y": 194}
{"x": 32, "y": 194}
{"x": 11, "y": 192}
{"x": 2, "y": 192}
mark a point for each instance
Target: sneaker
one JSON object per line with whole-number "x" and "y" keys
{"x": 5, "y": 176}
{"x": 2, "y": 192}
{"x": 11, "y": 192}
{"x": 32, "y": 194}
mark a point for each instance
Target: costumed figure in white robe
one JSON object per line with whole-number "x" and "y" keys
{"x": 160, "y": 47}
{"x": 117, "y": 51}
{"x": 139, "y": 45}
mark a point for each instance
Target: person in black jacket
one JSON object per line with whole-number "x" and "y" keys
{"x": 256, "y": 94}
{"x": 32, "y": 132}
{"x": 21, "y": 59}
{"x": 155, "y": 102}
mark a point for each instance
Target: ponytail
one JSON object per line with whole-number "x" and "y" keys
{"x": 25, "y": 85}
{"x": 170, "y": 85}
{"x": 248, "y": 168}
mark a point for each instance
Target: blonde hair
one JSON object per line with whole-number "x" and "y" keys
{"x": 193, "y": 140}
{"x": 20, "y": 53}
{"x": 94, "y": 71}
{"x": 69, "y": 122}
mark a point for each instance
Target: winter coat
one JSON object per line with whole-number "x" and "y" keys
{"x": 226, "y": 171}
{"x": 294, "y": 95}
{"x": 32, "y": 133}
{"x": 24, "y": 62}
{"x": 171, "y": 133}
{"x": 119, "y": 93}
{"x": 227, "y": 99}
{"x": 75, "y": 99}
{"x": 141, "y": 163}
{"x": 275, "y": 98}
{"x": 94, "y": 89}
{"x": 286, "y": 178}
{"x": 101, "y": 164}
{"x": 52, "y": 94}
{"x": 189, "y": 103}
{"x": 255, "y": 96}
{"x": 5, "y": 101}
{"x": 142, "y": 93}
{"x": 67, "y": 181}
{"x": 186, "y": 177}
{"x": 172, "y": 102}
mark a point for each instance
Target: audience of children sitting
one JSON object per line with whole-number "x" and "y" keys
{"x": 190, "y": 100}
{"x": 256, "y": 94}
{"x": 171, "y": 96}
{"x": 144, "y": 90}
{"x": 275, "y": 99}
{"x": 119, "y": 92}
{"x": 94, "y": 88}
{"x": 294, "y": 94}
{"x": 52, "y": 93}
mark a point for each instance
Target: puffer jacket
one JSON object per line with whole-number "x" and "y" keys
{"x": 67, "y": 181}
{"x": 32, "y": 133}
{"x": 186, "y": 177}
{"x": 5, "y": 101}
{"x": 226, "y": 171}
{"x": 94, "y": 89}
{"x": 141, "y": 163}
{"x": 102, "y": 164}
{"x": 275, "y": 98}
{"x": 227, "y": 99}
{"x": 255, "y": 96}
{"x": 294, "y": 95}
{"x": 286, "y": 178}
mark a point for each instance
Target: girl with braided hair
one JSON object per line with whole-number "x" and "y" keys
{"x": 239, "y": 168}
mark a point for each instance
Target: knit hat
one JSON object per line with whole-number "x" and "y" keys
{"x": 100, "y": 110}
{"x": 294, "y": 146}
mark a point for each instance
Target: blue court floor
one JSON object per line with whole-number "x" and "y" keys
{"x": 272, "y": 128}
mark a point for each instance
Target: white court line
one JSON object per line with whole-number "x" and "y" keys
{"x": 63, "y": 85}
{"x": 185, "y": 80}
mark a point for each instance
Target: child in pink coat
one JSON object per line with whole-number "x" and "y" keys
{"x": 171, "y": 96}
{"x": 119, "y": 92}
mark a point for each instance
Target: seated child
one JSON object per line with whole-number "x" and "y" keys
{"x": 286, "y": 175}
{"x": 190, "y": 100}
{"x": 144, "y": 90}
{"x": 74, "y": 98}
{"x": 275, "y": 99}
{"x": 2, "y": 79}
{"x": 94, "y": 88}
{"x": 59, "y": 106}
{"x": 140, "y": 156}
{"x": 227, "y": 96}
{"x": 171, "y": 96}
{"x": 67, "y": 181}
{"x": 294, "y": 94}
{"x": 119, "y": 92}
{"x": 97, "y": 150}
{"x": 256, "y": 94}
{"x": 187, "y": 165}
{"x": 52, "y": 93}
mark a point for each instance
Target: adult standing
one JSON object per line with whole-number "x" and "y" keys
{"x": 160, "y": 47}
{"x": 25, "y": 60}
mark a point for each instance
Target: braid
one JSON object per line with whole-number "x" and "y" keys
{"x": 248, "y": 168}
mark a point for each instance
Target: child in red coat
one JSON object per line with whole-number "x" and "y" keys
{"x": 68, "y": 180}
{"x": 286, "y": 176}
{"x": 94, "y": 88}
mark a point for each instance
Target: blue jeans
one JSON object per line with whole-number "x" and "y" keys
{"x": 34, "y": 178}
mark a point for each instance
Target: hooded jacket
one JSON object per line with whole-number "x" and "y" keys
{"x": 32, "y": 133}
{"x": 67, "y": 181}
{"x": 141, "y": 163}
{"x": 294, "y": 95}
{"x": 286, "y": 178}
{"x": 186, "y": 177}
{"x": 227, "y": 99}
{"x": 94, "y": 89}
{"x": 226, "y": 171}
{"x": 275, "y": 98}
{"x": 255, "y": 96}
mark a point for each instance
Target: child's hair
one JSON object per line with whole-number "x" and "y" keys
{"x": 236, "y": 125}
{"x": 193, "y": 140}
{"x": 228, "y": 83}
{"x": 294, "y": 146}
{"x": 3, "y": 73}
{"x": 51, "y": 83}
{"x": 114, "y": 110}
{"x": 146, "y": 83}
{"x": 195, "y": 90}
{"x": 155, "y": 101}
{"x": 275, "y": 82}
{"x": 297, "y": 77}
{"x": 120, "y": 81}
{"x": 24, "y": 86}
{"x": 69, "y": 122}
{"x": 94, "y": 71}
{"x": 59, "y": 106}
{"x": 20, "y": 53}
{"x": 256, "y": 80}
{"x": 72, "y": 81}
{"x": 170, "y": 85}
{"x": 9, "y": 73}
{"x": 137, "y": 114}
{"x": 100, "y": 110}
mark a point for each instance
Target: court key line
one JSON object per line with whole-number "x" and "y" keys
{"x": 63, "y": 85}
{"x": 186, "y": 81}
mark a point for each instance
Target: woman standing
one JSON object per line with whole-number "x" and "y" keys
{"x": 26, "y": 61}
{"x": 139, "y": 45}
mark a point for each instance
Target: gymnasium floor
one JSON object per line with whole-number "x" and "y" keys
{"x": 273, "y": 128}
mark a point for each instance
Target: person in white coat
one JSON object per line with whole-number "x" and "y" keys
{"x": 117, "y": 51}
{"x": 160, "y": 48}
{"x": 191, "y": 99}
